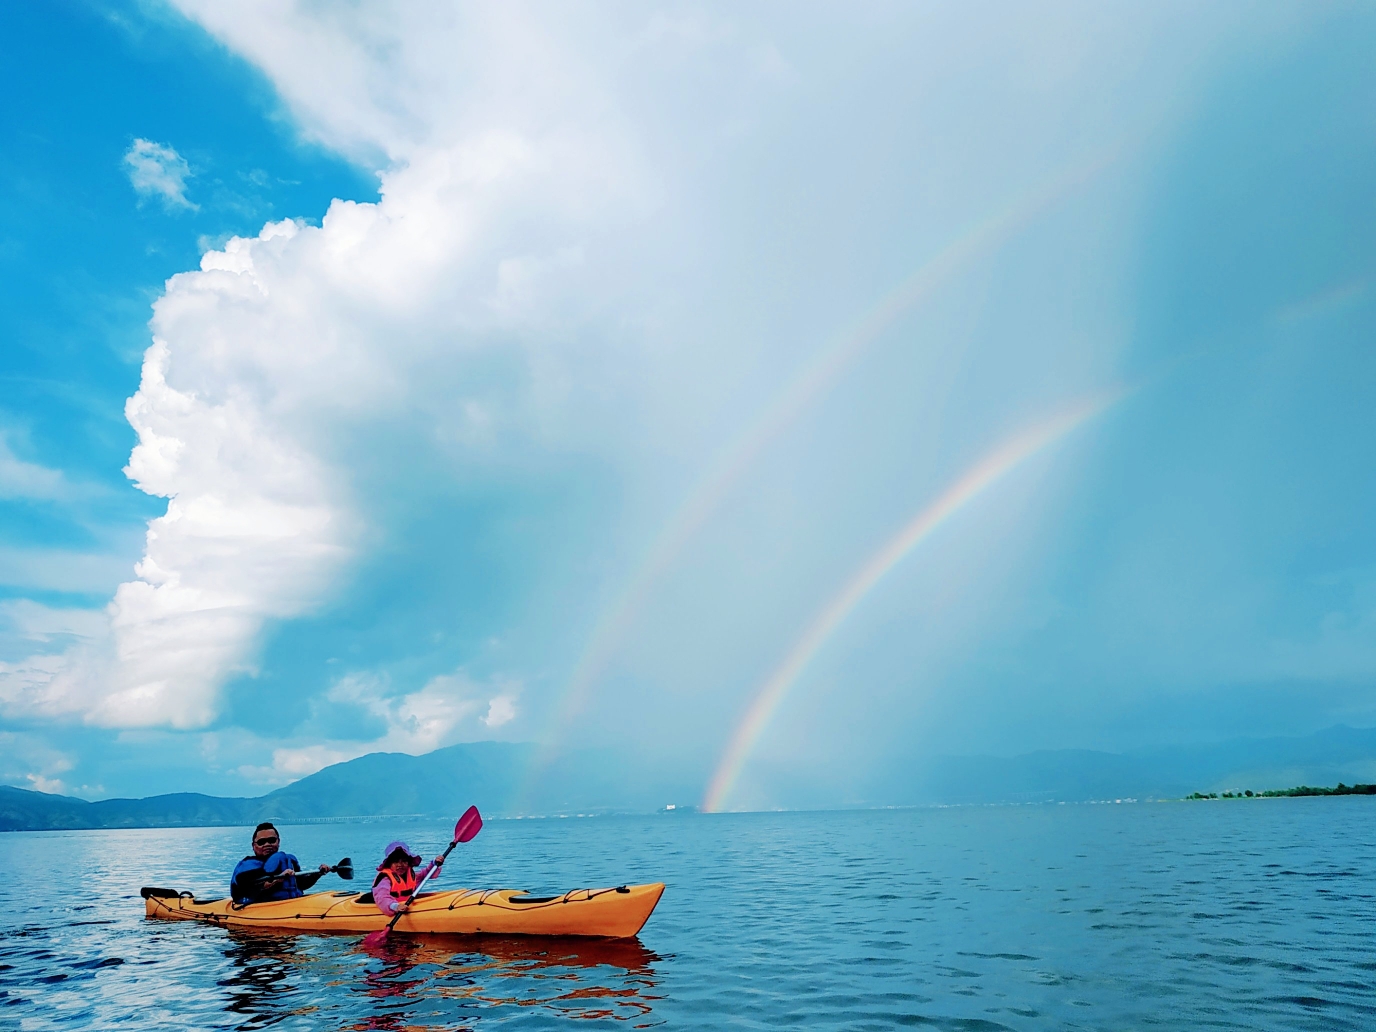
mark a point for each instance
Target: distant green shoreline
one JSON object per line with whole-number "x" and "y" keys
{"x": 1301, "y": 790}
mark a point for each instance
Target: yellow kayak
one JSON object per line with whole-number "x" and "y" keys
{"x": 616, "y": 913}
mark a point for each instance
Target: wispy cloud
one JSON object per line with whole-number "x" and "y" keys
{"x": 159, "y": 172}
{"x": 58, "y": 569}
{"x": 20, "y": 479}
{"x": 37, "y": 622}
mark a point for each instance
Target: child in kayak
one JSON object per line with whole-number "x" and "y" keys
{"x": 397, "y": 877}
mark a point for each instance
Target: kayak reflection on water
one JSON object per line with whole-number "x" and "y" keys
{"x": 432, "y": 981}
{"x": 591, "y": 978}
{"x": 263, "y": 988}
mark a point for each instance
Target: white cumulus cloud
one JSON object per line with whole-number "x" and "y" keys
{"x": 157, "y": 171}
{"x": 284, "y": 350}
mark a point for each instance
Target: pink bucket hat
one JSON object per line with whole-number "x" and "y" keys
{"x": 398, "y": 847}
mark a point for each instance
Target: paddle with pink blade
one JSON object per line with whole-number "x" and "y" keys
{"x": 468, "y": 826}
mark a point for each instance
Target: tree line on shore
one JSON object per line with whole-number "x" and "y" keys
{"x": 1299, "y": 790}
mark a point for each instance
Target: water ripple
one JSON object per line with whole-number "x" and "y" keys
{"x": 1166, "y": 916}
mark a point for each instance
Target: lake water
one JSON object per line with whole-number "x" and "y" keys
{"x": 1223, "y": 915}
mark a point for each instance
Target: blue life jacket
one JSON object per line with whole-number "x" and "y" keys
{"x": 241, "y": 891}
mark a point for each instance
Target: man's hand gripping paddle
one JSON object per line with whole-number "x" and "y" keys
{"x": 345, "y": 869}
{"x": 468, "y": 826}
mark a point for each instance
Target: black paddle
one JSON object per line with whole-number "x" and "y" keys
{"x": 468, "y": 825}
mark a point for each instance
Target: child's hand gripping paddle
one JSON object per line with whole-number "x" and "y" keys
{"x": 468, "y": 826}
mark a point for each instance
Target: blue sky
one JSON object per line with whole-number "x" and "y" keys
{"x": 420, "y": 458}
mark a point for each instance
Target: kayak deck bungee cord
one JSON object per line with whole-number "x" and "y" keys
{"x": 614, "y": 913}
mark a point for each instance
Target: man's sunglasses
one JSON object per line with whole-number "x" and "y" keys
{"x": 265, "y": 841}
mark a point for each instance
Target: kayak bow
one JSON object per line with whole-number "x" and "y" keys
{"x": 616, "y": 913}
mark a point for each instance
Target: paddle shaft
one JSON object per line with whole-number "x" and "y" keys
{"x": 428, "y": 874}
{"x": 282, "y": 876}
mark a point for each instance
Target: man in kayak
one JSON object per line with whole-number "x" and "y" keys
{"x": 268, "y": 873}
{"x": 397, "y": 877}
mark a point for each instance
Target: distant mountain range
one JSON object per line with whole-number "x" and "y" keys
{"x": 492, "y": 774}
{"x": 1325, "y": 758}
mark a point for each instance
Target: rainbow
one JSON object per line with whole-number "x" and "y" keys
{"x": 813, "y": 379}
{"x": 978, "y": 478}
